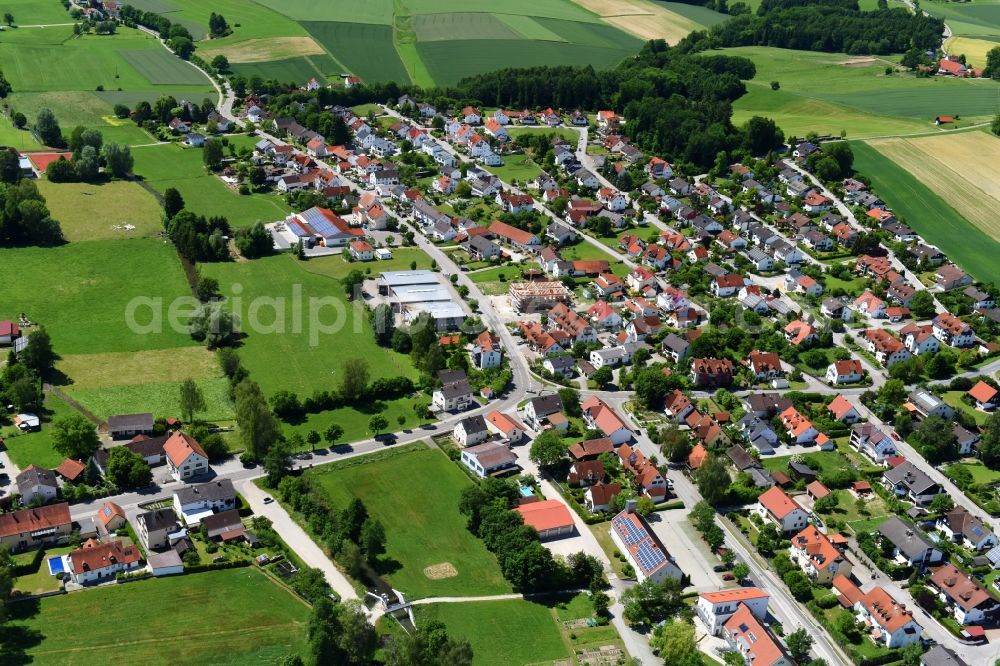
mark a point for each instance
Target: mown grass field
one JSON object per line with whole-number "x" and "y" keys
{"x": 856, "y": 96}
{"x": 99, "y": 212}
{"x": 939, "y": 223}
{"x": 157, "y": 398}
{"x": 283, "y": 353}
{"x": 337, "y": 267}
{"x": 501, "y": 632}
{"x": 170, "y": 165}
{"x": 422, "y": 523}
{"x": 235, "y": 616}
{"x": 75, "y": 67}
{"x": 36, "y": 12}
{"x": 81, "y": 293}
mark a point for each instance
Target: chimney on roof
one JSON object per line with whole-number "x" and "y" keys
{"x": 630, "y": 505}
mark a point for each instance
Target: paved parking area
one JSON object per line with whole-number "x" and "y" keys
{"x": 692, "y": 554}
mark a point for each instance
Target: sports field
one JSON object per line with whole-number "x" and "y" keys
{"x": 502, "y": 632}
{"x": 170, "y": 165}
{"x": 429, "y": 551}
{"x": 81, "y": 292}
{"x": 129, "y": 62}
{"x": 99, "y": 212}
{"x": 234, "y": 616}
{"x": 855, "y": 96}
{"x": 287, "y": 351}
{"x": 910, "y": 196}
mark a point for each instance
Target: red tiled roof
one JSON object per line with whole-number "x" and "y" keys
{"x": 545, "y": 515}
{"x": 32, "y": 520}
{"x": 179, "y": 448}
{"x": 777, "y": 502}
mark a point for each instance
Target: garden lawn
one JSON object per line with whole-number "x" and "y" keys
{"x": 81, "y": 293}
{"x": 15, "y": 138}
{"x": 954, "y": 398}
{"x": 569, "y": 134}
{"x": 169, "y": 165}
{"x": 35, "y": 448}
{"x": 300, "y": 352}
{"x": 416, "y": 494}
{"x": 937, "y": 222}
{"x": 501, "y": 632}
{"x": 242, "y": 617}
{"x": 520, "y": 168}
{"x": 98, "y": 212}
{"x": 981, "y": 474}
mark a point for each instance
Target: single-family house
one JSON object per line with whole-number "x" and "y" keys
{"x": 717, "y": 372}
{"x": 845, "y": 371}
{"x": 598, "y": 414}
{"x": 775, "y": 506}
{"x": 644, "y": 551}
{"x": 471, "y": 430}
{"x": 453, "y": 396}
{"x": 155, "y": 527}
{"x": 843, "y": 411}
{"x": 489, "y": 459}
{"x": 873, "y": 442}
{"x": 745, "y": 634}
{"x": 185, "y": 457}
{"x": 908, "y": 544}
{"x": 36, "y": 485}
{"x": 962, "y": 527}
{"x": 985, "y": 396}
{"x": 505, "y": 426}
{"x": 818, "y": 557}
{"x": 96, "y": 562}
{"x": 971, "y": 602}
{"x": 714, "y": 608}
{"x": 192, "y": 503}
{"x": 890, "y": 623}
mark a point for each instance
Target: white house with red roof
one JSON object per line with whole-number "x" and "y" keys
{"x": 96, "y": 562}
{"x": 985, "y": 396}
{"x": 486, "y": 351}
{"x": 845, "y": 371}
{"x": 361, "y": 251}
{"x": 818, "y": 556}
{"x": 9, "y": 331}
{"x": 603, "y": 315}
{"x": 507, "y": 427}
{"x": 601, "y": 416}
{"x": 891, "y": 623}
{"x": 322, "y": 226}
{"x": 727, "y": 285}
{"x": 775, "y": 506}
{"x": 470, "y": 115}
{"x": 714, "y": 608}
{"x": 496, "y": 130}
{"x": 185, "y": 457}
{"x": 842, "y": 410}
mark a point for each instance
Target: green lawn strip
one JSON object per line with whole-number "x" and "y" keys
{"x": 421, "y": 518}
{"x": 354, "y": 420}
{"x": 565, "y": 133}
{"x": 242, "y": 617}
{"x": 520, "y": 168}
{"x": 306, "y": 358}
{"x": 867, "y": 525}
{"x": 37, "y": 12}
{"x": 158, "y": 398}
{"x": 81, "y": 293}
{"x": 501, "y": 632}
{"x": 929, "y": 215}
{"x": 170, "y": 165}
{"x": 337, "y": 267}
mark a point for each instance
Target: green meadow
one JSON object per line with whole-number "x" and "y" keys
{"x": 426, "y": 505}
{"x": 831, "y": 92}
{"x": 170, "y": 165}
{"x": 283, "y": 351}
{"x": 234, "y": 616}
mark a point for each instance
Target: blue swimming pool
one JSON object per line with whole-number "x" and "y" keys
{"x": 56, "y": 565}
{"x": 526, "y": 491}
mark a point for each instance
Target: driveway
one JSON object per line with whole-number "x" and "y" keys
{"x": 693, "y": 557}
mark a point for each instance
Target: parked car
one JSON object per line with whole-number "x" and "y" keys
{"x": 719, "y": 568}
{"x": 268, "y": 500}
{"x": 728, "y": 576}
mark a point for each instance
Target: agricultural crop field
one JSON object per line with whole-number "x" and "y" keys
{"x": 856, "y": 96}
{"x": 242, "y": 617}
{"x": 36, "y": 12}
{"x": 908, "y": 192}
{"x": 288, "y": 358}
{"x": 85, "y": 76}
{"x": 429, "y": 551}
{"x": 427, "y": 42}
{"x": 169, "y": 165}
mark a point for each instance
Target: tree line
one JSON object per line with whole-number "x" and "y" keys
{"x": 826, "y": 25}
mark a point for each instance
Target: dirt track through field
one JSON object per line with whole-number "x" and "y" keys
{"x": 959, "y": 168}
